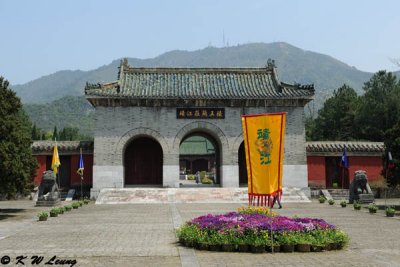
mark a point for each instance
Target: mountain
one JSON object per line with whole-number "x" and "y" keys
{"x": 294, "y": 65}
{"x": 68, "y": 111}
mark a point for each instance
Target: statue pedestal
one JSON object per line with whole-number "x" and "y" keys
{"x": 366, "y": 198}
{"x": 48, "y": 203}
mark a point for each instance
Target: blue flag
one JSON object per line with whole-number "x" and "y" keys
{"x": 81, "y": 168}
{"x": 344, "y": 162}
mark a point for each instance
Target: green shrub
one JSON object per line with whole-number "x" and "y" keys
{"x": 206, "y": 181}
{"x": 75, "y": 205}
{"x": 67, "y": 207}
{"x": 372, "y": 208}
{"x": 343, "y": 203}
{"x": 357, "y": 206}
{"x": 191, "y": 177}
{"x": 331, "y": 201}
{"x": 390, "y": 211}
{"x": 54, "y": 212}
{"x": 287, "y": 238}
{"x": 43, "y": 214}
{"x": 322, "y": 199}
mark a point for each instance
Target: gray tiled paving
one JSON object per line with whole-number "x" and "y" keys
{"x": 144, "y": 235}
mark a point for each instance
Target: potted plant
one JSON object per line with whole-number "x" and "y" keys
{"x": 357, "y": 206}
{"x": 68, "y": 207}
{"x": 331, "y": 202}
{"x": 189, "y": 235}
{"x": 335, "y": 185}
{"x": 86, "y": 201}
{"x": 322, "y": 199}
{"x": 390, "y": 212}
{"x": 43, "y": 216}
{"x": 228, "y": 242}
{"x": 75, "y": 205}
{"x": 60, "y": 210}
{"x": 343, "y": 203}
{"x": 340, "y": 238}
{"x": 258, "y": 245}
{"x": 244, "y": 242}
{"x": 372, "y": 208}
{"x": 319, "y": 241}
{"x": 215, "y": 242}
{"x": 54, "y": 212}
{"x": 287, "y": 241}
{"x": 304, "y": 241}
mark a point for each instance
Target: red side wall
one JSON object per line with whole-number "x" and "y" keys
{"x": 75, "y": 179}
{"x": 317, "y": 172}
{"x": 41, "y": 160}
{"x": 87, "y": 173}
{"x": 372, "y": 165}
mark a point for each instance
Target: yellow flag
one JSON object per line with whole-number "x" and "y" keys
{"x": 55, "y": 162}
{"x": 263, "y": 142}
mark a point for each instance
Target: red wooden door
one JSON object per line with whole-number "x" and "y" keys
{"x": 143, "y": 162}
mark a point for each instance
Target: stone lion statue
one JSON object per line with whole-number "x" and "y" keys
{"x": 48, "y": 189}
{"x": 358, "y": 186}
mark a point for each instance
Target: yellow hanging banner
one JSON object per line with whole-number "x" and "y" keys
{"x": 263, "y": 142}
{"x": 55, "y": 161}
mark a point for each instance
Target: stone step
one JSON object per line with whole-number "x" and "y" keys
{"x": 47, "y": 203}
{"x": 339, "y": 194}
{"x": 188, "y": 195}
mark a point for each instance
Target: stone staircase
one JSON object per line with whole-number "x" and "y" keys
{"x": 188, "y": 195}
{"x": 339, "y": 194}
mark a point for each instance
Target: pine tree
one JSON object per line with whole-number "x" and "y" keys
{"x": 55, "y": 133}
{"x": 34, "y": 132}
{"x": 335, "y": 120}
{"x": 17, "y": 165}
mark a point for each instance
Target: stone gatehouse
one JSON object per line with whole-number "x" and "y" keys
{"x": 144, "y": 117}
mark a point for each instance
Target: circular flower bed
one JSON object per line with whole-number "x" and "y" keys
{"x": 259, "y": 230}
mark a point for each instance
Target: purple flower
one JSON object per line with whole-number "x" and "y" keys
{"x": 239, "y": 223}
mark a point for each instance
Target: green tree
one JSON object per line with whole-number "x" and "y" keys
{"x": 392, "y": 145}
{"x": 379, "y": 107}
{"x": 70, "y": 133}
{"x": 336, "y": 118}
{"x": 55, "y": 133}
{"x": 34, "y": 132}
{"x": 17, "y": 166}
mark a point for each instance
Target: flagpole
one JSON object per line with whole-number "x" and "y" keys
{"x": 58, "y": 172}
{"x": 81, "y": 179}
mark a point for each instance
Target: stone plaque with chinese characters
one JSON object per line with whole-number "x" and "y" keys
{"x": 200, "y": 113}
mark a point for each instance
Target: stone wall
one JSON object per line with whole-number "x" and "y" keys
{"x": 117, "y": 126}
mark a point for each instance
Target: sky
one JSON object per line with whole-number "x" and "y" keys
{"x": 44, "y": 36}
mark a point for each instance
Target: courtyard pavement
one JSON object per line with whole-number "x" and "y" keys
{"x": 144, "y": 235}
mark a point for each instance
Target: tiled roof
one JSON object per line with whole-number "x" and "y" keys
{"x": 199, "y": 83}
{"x": 196, "y": 145}
{"x": 62, "y": 146}
{"x": 338, "y": 146}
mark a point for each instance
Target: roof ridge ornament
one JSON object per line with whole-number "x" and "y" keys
{"x": 271, "y": 66}
{"x": 123, "y": 64}
{"x": 271, "y": 63}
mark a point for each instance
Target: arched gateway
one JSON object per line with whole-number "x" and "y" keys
{"x": 143, "y": 162}
{"x": 171, "y": 104}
